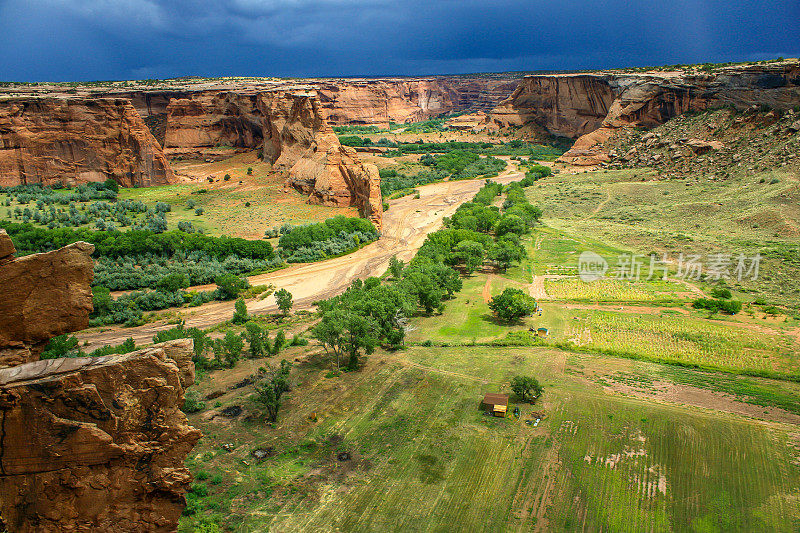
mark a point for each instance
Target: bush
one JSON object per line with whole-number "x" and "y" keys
{"x": 192, "y": 402}
{"x": 229, "y": 286}
{"x": 240, "y": 315}
{"x": 730, "y": 307}
{"x": 721, "y": 292}
{"x": 61, "y": 346}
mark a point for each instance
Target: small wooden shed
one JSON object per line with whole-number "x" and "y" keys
{"x": 541, "y": 332}
{"x": 495, "y": 403}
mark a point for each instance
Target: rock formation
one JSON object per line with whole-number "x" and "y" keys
{"x": 592, "y": 107}
{"x": 96, "y": 444}
{"x": 78, "y": 140}
{"x": 409, "y": 100}
{"x": 214, "y": 118}
{"x": 302, "y": 146}
{"x": 42, "y": 296}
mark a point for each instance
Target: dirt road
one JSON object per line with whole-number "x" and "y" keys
{"x": 405, "y": 226}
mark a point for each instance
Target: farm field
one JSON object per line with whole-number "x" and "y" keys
{"x": 637, "y": 211}
{"x": 423, "y": 457}
{"x": 656, "y": 416}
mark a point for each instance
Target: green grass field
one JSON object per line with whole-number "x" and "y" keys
{"x": 636, "y": 211}
{"x": 424, "y": 457}
{"x": 654, "y": 417}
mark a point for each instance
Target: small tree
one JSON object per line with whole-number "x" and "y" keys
{"x": 249, "y": 171}
{"x": 232, "y": 346}
{"x": 512, "y": 304}
{"x": 278, "y": 343}
{"x": 173, "y": 282}
{"x": 240, "y": 315}
{"x": 526, "y": 387}
{"x": 396, "y": 267}
{"x": 284, "y": 300}
{"x": 269, "y": 392}
{"x": 255, "y": 339}
{"x": 229, "y": 286}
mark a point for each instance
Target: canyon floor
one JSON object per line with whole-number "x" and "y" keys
{"x": 406, "y": 224}
{"x": 654, "y": 416}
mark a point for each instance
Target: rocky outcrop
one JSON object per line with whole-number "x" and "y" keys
{"x": 78, "y": 140}
{"x": 409, "y": 100}
{"x": 96, "y": 444}
{"x": 568, "y": 106}
{"x": 214, "y": 118}
{"x": 592, "y": 106}
{"x": 304, "y": 148}
{"x": 713, "y": 145}
{"x": 42, "y": 296}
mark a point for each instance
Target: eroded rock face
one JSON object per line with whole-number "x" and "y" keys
{"x": 409, "y": 100}
{"x": 78, "y": 140}
{"x": 96, "y": 444}
{"x": 214, "y": 118}
{"x": 592, "y": 106}
{"x": 42, "y": 296}
{"x": 302, "y": 146}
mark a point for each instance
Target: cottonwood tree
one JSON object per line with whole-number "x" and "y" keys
{"x": 526, "y": 387}
{"x": 470, "y": 254}
{"x": 240, "y": 315}
{"x": 346, "y": 333}
{"x": 284, "y": 300}
{"x": 269, "y": 392}
{"x": 512, "y": 304}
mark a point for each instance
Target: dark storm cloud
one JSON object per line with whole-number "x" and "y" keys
{"x": 123, "y": 39}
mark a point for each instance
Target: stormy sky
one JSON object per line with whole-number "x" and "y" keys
{"x": 66, "y": 40}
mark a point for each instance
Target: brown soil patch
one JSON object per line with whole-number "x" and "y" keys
{"x": 706, "y": 399}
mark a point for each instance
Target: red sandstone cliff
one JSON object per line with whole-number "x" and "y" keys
{"x": 303, "y": 147}
{"x": 408, "y": 100}
{"x": 96, "y": 444}
{"x": 77, "y": 140}
{"x": 592, "y": 106}
{"x": 213, "y": 118}
{"x": 42, "y": 296}
{"x": 86, "y": 444}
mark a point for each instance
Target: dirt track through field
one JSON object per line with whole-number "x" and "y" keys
{"x": 405, "y": 226}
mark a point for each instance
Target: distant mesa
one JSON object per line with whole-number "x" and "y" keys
{"x": 591, "y": 107}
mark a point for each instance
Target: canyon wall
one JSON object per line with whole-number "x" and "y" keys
{"x": 96, "y": 444}
{"x": 303, "y": 147}
{"x": 382, "y": 101}
{"x": 214, "y": 118}
{"x": 90, "y": 443}
{"x": 591, "y": 107}
{"x": 42, "y": 296}
{"x": 78, "y": 140}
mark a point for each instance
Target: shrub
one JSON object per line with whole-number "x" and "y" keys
{"x": 229, "y": 286}
{"x": 192, "y": 402}
{"x": 240, "y": 315}
{"x": 61, "y": 346}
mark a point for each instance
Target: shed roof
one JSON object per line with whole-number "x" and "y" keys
{"x": 493, "y": 398}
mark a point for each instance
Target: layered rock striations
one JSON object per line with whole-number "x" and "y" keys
{"x": 408, "y": 100}
{"x": 96, "y": 444}
{"x": 214, "y": 118}
{"x": 591, "y": 107}
{"x": 303, "y": 147}
{"x": 42, "y": 296}
{"x": 78, "y": 140}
